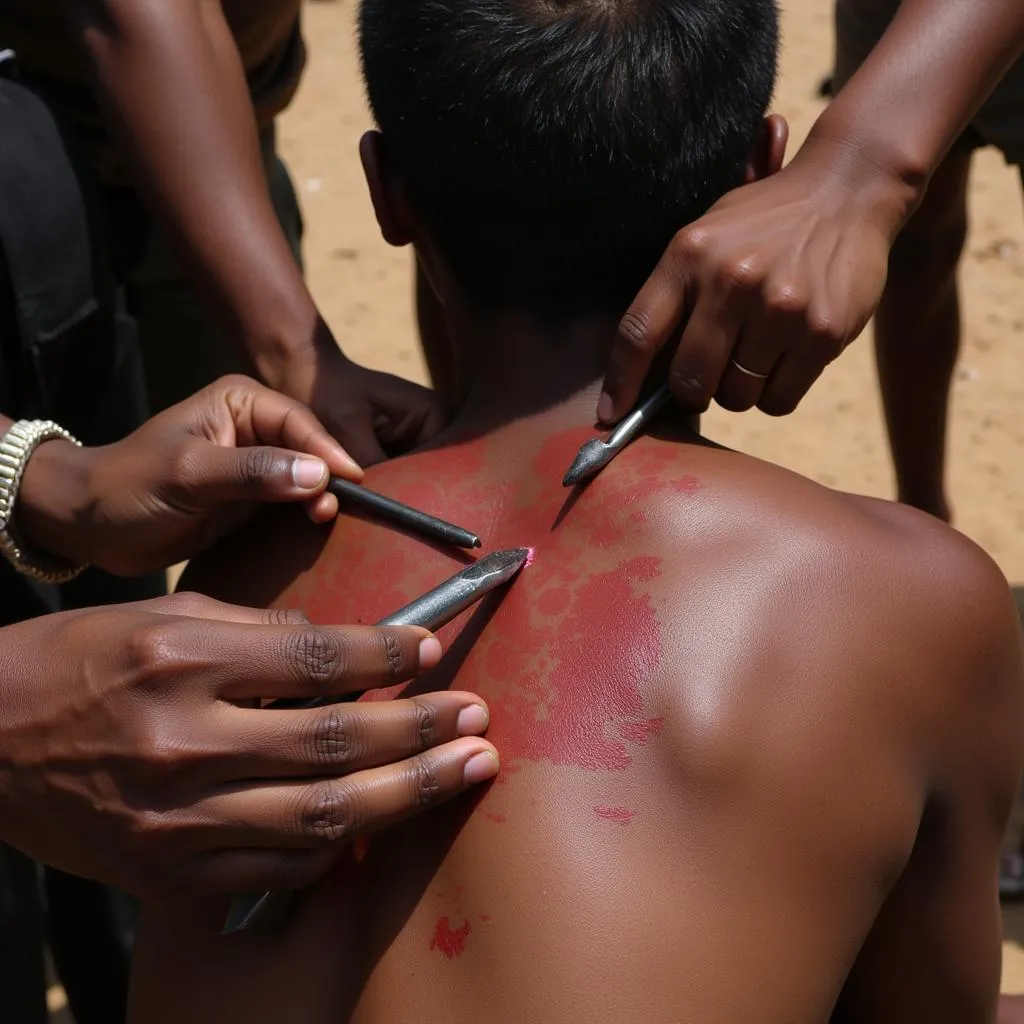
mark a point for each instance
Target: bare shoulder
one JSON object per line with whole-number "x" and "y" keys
{"x": 880, "y": 605}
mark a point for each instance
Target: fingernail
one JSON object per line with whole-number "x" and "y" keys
{"x": 308, "y": 473}
{"x": 473, "y": 720}
{"x": 430, "y": 651}
{"x": 605, "y": 407}
{"x": 479, "y": 768}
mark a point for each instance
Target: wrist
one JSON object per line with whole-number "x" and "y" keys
{"x": 54, "y": 501}
{"x": 297, "y": 344}
{"x": 882, "y": 182}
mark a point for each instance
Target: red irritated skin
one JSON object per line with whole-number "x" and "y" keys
{"x": 723, "y": 699}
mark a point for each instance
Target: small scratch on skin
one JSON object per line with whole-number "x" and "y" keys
{"x": 621, "y": 815}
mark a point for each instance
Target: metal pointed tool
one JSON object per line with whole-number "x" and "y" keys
{"x": 596, "y": 453}
{"x": 431, "y": 611}
{"x": 411, "y": 519}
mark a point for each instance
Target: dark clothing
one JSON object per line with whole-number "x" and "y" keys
{"x": 266, "y": 32}
{"x": 86, "y": 281}
{"x": 67, "y": 353}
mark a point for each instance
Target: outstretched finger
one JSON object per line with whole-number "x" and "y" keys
{"x": 189, "y": 604}
{"x": 342, "y": 738}
{"x": 245, "y": 662}
{"x": 325, "y": 813}
{"x": 649, "y": 324}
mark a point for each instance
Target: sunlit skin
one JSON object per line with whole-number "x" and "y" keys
{"x": 759, "y": 740}
{"x": 686, "y": 687}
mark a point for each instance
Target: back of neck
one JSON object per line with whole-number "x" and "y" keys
{"x": 511, "y": 366}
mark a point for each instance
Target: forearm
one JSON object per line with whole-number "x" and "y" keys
{"x": 171, "y": 79}
{"x": 893, "y": 123}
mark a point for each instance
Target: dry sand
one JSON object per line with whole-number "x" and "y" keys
{"x": 364, "y": 289}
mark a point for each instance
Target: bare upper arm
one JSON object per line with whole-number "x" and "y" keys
{"x": 934, "y": 951}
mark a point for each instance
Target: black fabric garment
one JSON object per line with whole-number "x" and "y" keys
{"x": 67, "y": 353}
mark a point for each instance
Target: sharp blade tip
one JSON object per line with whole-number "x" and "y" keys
{"x": 237, "y": 919}
{"x": 519, "y": 556}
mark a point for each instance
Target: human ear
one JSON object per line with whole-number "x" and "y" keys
{"x": 386, "y": 191}
{"x": 769, "y": 151}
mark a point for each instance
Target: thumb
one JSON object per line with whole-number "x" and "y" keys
{"x": 260, "y": 473}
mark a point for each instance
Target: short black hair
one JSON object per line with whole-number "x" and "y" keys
{"x": 553, "y": 147}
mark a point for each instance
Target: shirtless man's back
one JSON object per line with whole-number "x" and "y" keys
{"x": 753, "y": 733}
{"x": 759, "y": 739}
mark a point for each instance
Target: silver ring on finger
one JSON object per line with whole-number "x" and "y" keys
{"x": 749, "y": 373}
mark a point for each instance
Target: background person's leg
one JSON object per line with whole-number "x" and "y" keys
{"x": 917, "y": 334}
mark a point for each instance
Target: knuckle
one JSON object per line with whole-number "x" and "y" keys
{"x": 317, "y": 656}
{"x": 235, "y": 382}
{"x": 424, "y": 781}
{"x": 742, "y": 275}
{"x": 689, "y": 383}
{"x": 425, "y": 723}
{"x": 182, "y": 463}
{"x": 393, "y": 656}
{"x": 826, "y": 332}
{"x": 153, "y": 647}
{"x": 691, "y": 243}
{"x": 151, "y": 834}
{"x": 147, "y": 823}
{"x": 634, "y": 330}
{"x": 330, "y": 813}
{"x": 187, "y": 603}
{"x": 335, "y": 739}
{"x": 257, "y": 463}
{"x": 286, "y": 617}
{"x": 785, "y": 297}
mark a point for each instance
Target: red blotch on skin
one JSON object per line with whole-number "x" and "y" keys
{"x": 641, "y": 732}
{"x": 498, "y": 819}
{"x": 448, "y": 940}
{"x": 484, "y": 917}
{"x": 584, "y": 709}
{"x": 623, "y": 815}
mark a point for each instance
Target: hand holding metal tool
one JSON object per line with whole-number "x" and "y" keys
{"x": 431, "y": 611}
{"x": 596, "y": 453}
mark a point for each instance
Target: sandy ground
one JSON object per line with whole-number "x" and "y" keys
{"x": 364, "y": 290}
